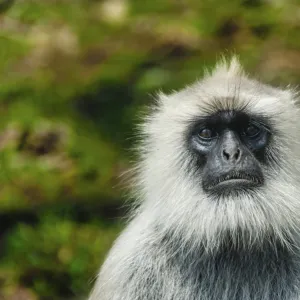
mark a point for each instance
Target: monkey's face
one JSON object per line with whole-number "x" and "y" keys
{"x": 230, "y": 147}
{"x": 223, "y": 156}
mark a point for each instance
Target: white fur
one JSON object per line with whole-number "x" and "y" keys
{"x": 171, "y": 198}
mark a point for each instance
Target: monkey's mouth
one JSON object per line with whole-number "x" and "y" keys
{"x": 234, "y": 181}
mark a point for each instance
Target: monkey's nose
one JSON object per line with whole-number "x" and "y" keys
{"x": 232, "y": 155}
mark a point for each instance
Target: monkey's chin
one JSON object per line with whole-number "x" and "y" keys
{"x": 233, "y": 187}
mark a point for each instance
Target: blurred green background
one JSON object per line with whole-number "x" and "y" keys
{"x": 74, "y": 76}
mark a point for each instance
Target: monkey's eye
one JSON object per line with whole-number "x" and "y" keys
{"x": 206, "y": 134}
{"x": 251, "y": 130}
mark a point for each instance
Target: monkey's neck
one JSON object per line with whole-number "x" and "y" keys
{"x": 270, "y": 272}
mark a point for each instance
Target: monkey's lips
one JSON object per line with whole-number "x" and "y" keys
{"x": 233, "y": 182}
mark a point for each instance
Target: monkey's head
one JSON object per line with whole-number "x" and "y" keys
{"x": 221, "y": 160}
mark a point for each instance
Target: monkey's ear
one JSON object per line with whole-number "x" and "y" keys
{"x": 228, "y": 68}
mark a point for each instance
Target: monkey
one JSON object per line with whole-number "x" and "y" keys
{"x": 217, "y": 215}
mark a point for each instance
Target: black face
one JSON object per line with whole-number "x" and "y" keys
{"x": 230, "y": 148}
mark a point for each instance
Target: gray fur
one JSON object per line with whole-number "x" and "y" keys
{"x": 182, "y": 245}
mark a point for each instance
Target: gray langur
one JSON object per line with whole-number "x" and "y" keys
{"x": 219, "y": 189}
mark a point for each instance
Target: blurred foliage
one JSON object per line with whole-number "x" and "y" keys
{"x": 56, "y": 256}
{"x": 75, "y": 75}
